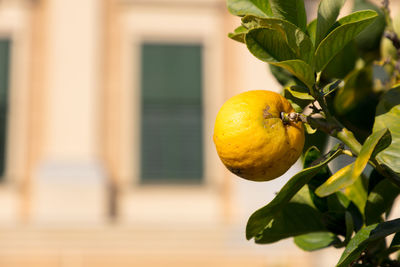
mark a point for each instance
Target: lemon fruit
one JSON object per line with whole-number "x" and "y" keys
{"x": 251, "y": 138}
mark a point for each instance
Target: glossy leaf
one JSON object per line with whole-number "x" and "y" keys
{"x": 312, "y": 30}
{"x": 337, "y": 181}
{"x": 388, "y": 116}
{"x": 348, "y": 28}
{"x": 298, "y": 42}
{"x": 328, "y": 11}
{"x": 297, "y": 217}
{"x": 269, "y": 45}
{"x": 238, "y": 34}
{"x": 272, "y": 46}
{"x": 364, "y": 237}
{"x": 380, "y": 200}
{"x": 383, "y": 143}
{"x": 290, "y": 10}
{"x": 348, "y": 175}
{"x": 299, "y": 92}
{"x": 369, "y": 146}
{"x": 301, "y": 70}
{"x": 262, "y": 217}
{"x": 260, "y": 8}
{"x": 331, "y": 87}
{"x": 357, "y": 193}
{"x": 315, "y": 241}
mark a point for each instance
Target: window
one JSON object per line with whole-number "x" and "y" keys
{"x": 4, "y": 81}
{"x": 171, "y": 113}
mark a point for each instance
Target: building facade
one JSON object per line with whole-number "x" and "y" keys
{"x": 107, "y": 111}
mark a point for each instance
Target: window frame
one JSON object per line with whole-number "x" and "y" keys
{"x": 204, "y": 203}
{"x": 136, "y": 31}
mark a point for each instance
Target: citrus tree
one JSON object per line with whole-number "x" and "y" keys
{"x": 341, "y": 76}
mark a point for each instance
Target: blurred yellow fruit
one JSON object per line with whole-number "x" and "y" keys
{"x": 252, "y": 140}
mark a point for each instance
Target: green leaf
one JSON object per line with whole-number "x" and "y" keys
{"x": 331, "y": 87}
{"x": 272, "y": 46}
{"x": 380, "y": 201}
{"x": 348, "y": 28}
{"x": 342, "y": 63}
{"x": 312, "y": 30}
{"x": 328, "y": 11}
{"x": 365, "y": 236}
{"x": 369, "y": 39}
{"x": 296, "y": 107}
{"x": 300, "y": 69}
{"x": 309, "y": 129}
{"x": 315, "y": 241}
{"x": 357, "y": 193}
{"x": 299, "y": 92}
{"x": 260, "y": 219}
{"x": 367, "y": 150}
{"x": 337, "y": 181}
{"x": 357, "y": 85}
{"x": 280, "y": 39}
{"x": 260, "y": 8}
{"x": 348, "y": 175}
{"x": 357, "y": 217}
{"x": 383, "y": 143}
{"x": 269, "y": 45}
{"x": 349, "y": 226}
{"x": 286, "y": 78}
{"x": 238, "y": 34}
{"x": 388, "y": 116}
{"x": 297, "y": 217}
{"x": 311, "y": 155}
{"x": 290, "y": 10}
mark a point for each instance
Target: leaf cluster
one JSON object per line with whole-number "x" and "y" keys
{"x": 333, "y": 71}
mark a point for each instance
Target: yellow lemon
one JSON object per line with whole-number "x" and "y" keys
{"x": 251, "y": 138}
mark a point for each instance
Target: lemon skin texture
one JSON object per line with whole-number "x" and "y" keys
{"x": 251, "y": 139}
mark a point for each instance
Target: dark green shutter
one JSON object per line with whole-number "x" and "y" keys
{"x": 171, "y": 113}
{"x": 4, "y": 82}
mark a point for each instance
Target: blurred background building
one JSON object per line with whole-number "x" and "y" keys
{"x": 106, "y": 153}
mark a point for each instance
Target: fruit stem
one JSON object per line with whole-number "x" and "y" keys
{"x": 332, "y": 129}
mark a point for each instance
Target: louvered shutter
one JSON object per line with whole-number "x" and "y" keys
{"x": 171, "y": 113}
